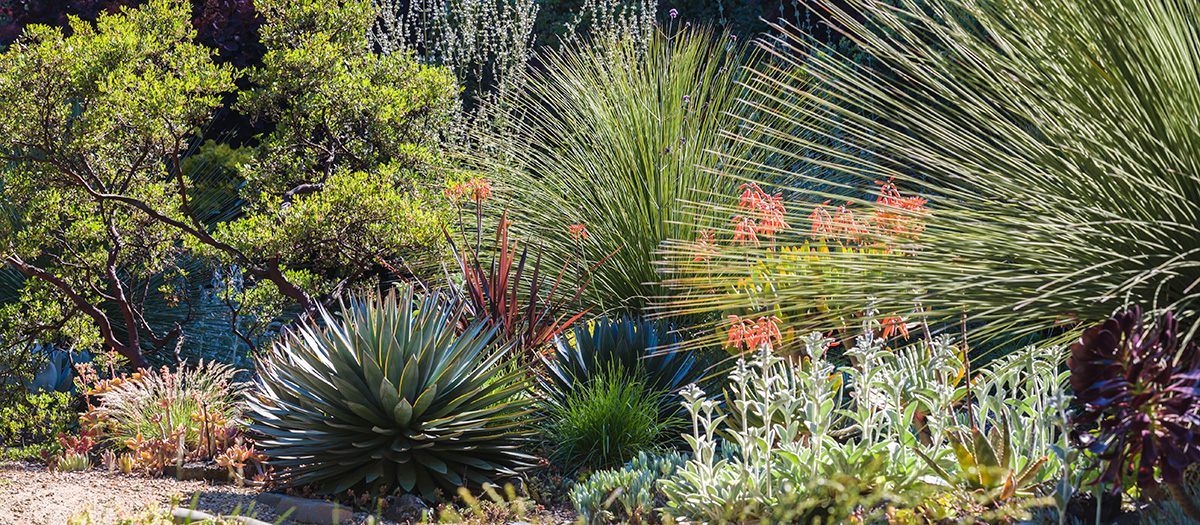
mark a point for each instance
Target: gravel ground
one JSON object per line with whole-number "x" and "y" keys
{"x": 32, "y": 495}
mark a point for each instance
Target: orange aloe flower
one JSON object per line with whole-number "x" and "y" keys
{"x": 744, "y": 333}
{"x": 578, "y": 231}
{"x": 894, "y": 325}
{"x": 746, "y": 230}
{"x": 705, "y": 246}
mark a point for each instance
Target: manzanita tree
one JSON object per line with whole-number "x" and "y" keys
{"x": 93, "y": 125}
{"x": 91, "y": 207}
{"x": 339, "y": 187}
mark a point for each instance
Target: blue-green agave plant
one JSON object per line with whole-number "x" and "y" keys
{"x": 389, "y": 393}
{"x": 653, "y": 347}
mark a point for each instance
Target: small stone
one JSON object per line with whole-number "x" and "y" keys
{"x": 406, "y": 508}
{"x": 312, "y": 511}
{"x": 244, "y": 520}
{"x": 182, "y": 515}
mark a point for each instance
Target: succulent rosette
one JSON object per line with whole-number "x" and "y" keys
{"x": 1139, "y": 397}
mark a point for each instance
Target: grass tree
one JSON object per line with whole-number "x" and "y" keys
{"x": 93, "y": 125}
{"x": 1056, "y": 144}
{"x": 614, "y": 135}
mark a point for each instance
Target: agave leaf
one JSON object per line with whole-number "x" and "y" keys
{"x": 406, "y": 474}
{"x": 353, "y": 391}
{"x": 389, "y": 397}
{"x": 403, "y": 412}
{"x": 985, "y": 459}
{"x": 408, "y": 379}
{"x": 430, "y": 461}
{"x": 424, "y": 400}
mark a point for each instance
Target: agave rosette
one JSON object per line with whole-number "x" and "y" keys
{"x": 390, "y": 394}
{"x": 651, "y": 347}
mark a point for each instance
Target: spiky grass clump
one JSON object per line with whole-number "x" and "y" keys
{"x": 650, "y": 350}
{"x": 1056, "y": 142}
{"x": 609, "y": 420}
{"x": 390, "y": 394}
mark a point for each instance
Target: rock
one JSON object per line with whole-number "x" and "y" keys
{"x": 268, "y": 499}
{"x": 199, "y": 471}
{"x": 182, "y": 515}
{"x": 244, "y": 520}
{"x": 310, "y": 510}
{"x": 406, "y": 508}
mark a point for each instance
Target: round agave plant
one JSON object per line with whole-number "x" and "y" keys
{"x": 391, "y": 394}
{"x": 651, "y": 348}
{"x": 1140, "y": 393}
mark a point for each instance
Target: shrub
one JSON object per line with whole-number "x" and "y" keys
{"x": 389, "y": 394}
{"x": 29, "y": 428}
{"x": 810, "y": 440}
{"x": 608, "y": 420}
{"x": 629, "y": 494}
{"x": 195, "y": 403}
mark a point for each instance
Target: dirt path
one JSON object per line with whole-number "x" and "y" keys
{"x": 31, "y": 495}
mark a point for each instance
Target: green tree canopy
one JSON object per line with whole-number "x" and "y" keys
{"x": 86, "y": 122}
{"x": 92, "y": 127}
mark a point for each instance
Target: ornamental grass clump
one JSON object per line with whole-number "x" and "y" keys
{"x": 390, "y": 394}
{"x": 612, "y": 139}
{"x": 1139, "y": 392}
{"x": 1056, "y": 143}
{"x": 609, "y": 420}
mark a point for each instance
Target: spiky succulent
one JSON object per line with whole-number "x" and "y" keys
{"x": 653, "y": 347}
{"x": 390, "y": 394}
{"x": 988, "y": 466}
{"x": 1140, "y": 396}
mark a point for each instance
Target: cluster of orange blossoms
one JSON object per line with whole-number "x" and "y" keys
{"x": 895, "y": 217}
{"x": 578, "y": 231}
{"x": 476, "y": 189}
{"x": 751, "y": 335}
{"x": 705, "y": 247}
{"x": 763, "y": 214}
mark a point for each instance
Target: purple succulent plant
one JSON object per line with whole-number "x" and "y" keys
{"x": 1139, "y": 394}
